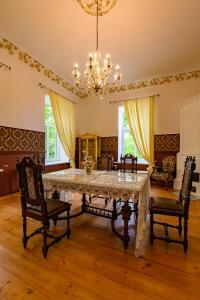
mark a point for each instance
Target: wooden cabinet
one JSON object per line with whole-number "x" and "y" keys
{"x": 89, "y": 145}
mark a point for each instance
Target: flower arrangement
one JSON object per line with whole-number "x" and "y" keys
{"x": 88, "y": 164}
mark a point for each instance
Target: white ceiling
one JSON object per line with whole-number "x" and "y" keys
{"x": 147, "y": 38}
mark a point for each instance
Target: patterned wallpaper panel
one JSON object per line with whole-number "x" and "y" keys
{"x": 167, "y": 142}
{"x": 109, "y": 143}
{"x": 14, "y": 139}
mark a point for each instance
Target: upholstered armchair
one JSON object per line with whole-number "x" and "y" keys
{"x": 166, "y": 172}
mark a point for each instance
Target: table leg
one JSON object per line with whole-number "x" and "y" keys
{"x": 126, "y": 215}
{"x": 83, "y": 202}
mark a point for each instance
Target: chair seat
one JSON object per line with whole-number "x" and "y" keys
{"x": 166, "y": 206}
{"x": 53, "y": 207}
{"x": 161, "y": 176}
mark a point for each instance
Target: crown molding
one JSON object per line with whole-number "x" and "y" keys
{"x": 37, "y": 66}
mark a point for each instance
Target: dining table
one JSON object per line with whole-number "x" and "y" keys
{"x": 115, "y": 185}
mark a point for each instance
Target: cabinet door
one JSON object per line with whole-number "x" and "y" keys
{"x": 92, "y": 149}
{"x": 83, "y": 149}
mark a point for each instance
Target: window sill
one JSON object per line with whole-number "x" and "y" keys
{"x": 58, "y": 162}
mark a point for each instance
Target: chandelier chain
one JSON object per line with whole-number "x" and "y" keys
{"x": 97, "y": 27}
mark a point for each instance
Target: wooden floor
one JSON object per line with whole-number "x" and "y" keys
{"x": 93, "y": 264}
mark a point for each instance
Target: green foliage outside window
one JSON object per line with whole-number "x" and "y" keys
{"x": 129, "y": 145}
{"x": 50, "y": 134}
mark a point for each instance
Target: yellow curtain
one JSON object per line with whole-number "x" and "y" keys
{"x": 140, "y": 117}
{"x": 64, "y": 112}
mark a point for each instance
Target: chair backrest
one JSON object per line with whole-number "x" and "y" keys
{"x": 30, "y": 182}
{"x": 127, "y": 160}
{"x": 169, "y": 164}
{"x": 105, "y": 162}
{"x": 186, "y": 187}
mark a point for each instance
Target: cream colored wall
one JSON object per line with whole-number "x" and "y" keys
{"x": 21, "y": 99}
{"x": 22, "y": 102}
{"x": 100, "y": 117}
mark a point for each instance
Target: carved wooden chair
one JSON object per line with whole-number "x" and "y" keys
{"x": 177, "y": 208}
{"x": 35, "y": 206}
{"x": 105, "y": 162}
{"x": 166, "y": 172}
{"x": 126, "y": 161}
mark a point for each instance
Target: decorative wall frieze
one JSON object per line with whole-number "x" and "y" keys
{"x": 37, "y": 66}
{"x": 159, "y": 81}
{"x": 90, "y": 6}
{"x": 15, "y": 139}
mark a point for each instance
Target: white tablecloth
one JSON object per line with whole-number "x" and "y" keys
{"x": 109, "y": 184}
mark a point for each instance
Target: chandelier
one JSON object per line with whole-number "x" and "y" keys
{"x": 97, "y": 72}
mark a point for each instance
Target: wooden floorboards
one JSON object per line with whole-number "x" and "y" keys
{"x": 93, "y": 264}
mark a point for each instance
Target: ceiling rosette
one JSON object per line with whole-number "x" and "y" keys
{"x": 89, "y": 6}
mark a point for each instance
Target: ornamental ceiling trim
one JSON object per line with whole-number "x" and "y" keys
{"x": 90, "y": 6}
{"x": 159, "y": 81}
{"x": 37, "y": 66}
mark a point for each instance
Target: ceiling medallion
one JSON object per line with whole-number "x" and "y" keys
{"x": 89, "y": 6}
{"x": 96, "y": 72}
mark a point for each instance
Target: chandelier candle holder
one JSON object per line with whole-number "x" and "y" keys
{"x": 97, "y": 72}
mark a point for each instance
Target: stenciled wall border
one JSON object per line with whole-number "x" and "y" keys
{"x": 159, "y": 81}
{"x": 37, "y": 66}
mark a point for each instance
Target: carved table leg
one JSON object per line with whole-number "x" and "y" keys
{"x": 114, "y": 215}
{"x": 83, "y": 202}
{"x": 126, "y": 214}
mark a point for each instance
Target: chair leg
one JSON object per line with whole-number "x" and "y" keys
{"x": 54, "y": 220}
{"x": 180, "y": 226}
{"x": 185, "y": 241}
{"x": 151, "y": 228}
{"x": 24, "y": 238}
{"x": 45, "y": 247}
{"x": 48, "y": 225}
{"x": 166, "y": 185}
{"x": 68, "y": 223}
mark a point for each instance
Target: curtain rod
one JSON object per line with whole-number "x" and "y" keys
{"x": 42, "y": 86}
{"x": 116, "y": 101}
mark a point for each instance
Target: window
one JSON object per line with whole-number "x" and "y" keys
{"x": 126, "y": 143}
{"x": 54, "y": 151}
